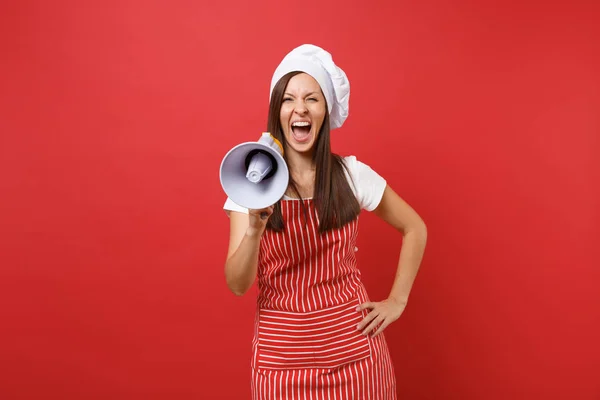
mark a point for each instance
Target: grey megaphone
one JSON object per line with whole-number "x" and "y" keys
{"x": 254, "y": 174}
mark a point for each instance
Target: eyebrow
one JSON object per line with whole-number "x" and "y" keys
{"x": 308, "y": 94}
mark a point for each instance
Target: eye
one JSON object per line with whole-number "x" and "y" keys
{"x": 287, "y": 99}
{"x": 312, "y": 99}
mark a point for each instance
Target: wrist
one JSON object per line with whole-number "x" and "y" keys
{"x": 398, "y": 299}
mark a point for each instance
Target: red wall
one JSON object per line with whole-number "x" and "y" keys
{"x": 114, "y": 117}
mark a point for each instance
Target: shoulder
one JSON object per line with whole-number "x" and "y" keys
{"x": 368, "y": 185}
{"x": 360, "y": 171}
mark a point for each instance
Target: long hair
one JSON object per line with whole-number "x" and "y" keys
{"x": 333, "y": 197}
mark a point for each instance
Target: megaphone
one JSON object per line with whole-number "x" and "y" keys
{"x": 254, "y": 174}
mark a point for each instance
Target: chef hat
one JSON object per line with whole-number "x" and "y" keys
{"x": 319, "y": 64}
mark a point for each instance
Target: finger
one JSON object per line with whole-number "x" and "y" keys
{"x": 381, "y": 328}
{"x": 365, "y": 305}
{"x": 263, "y": 213}
{"x": 373, "y": 325}
{"x": 371, "y": 316}
{"x": 267, "y": 212}
{"x": 259, "y": 210}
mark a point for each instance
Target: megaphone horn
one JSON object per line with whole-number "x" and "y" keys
{"x": 254, "y": 174}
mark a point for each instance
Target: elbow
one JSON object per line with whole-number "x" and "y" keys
{"x": 238, "y": 291}
{"x": 239, "y": 277}
{"x": 423, "y": 230}
{"x": 418, "y": 230}
{"x": 423, "y": 234}
{"x": 235, "y": 287}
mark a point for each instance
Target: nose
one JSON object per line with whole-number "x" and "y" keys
{"x": 300, "y": 107}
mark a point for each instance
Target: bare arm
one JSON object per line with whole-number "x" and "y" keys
{"x": 245, "y": 231}
{"x": 401, "y": 216}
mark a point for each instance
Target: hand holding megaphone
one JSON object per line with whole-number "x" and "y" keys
{"x": 254, "y": 174}
{"x": 257, "y": 221}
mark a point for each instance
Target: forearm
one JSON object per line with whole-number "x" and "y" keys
{"x": 411, "y": 255}
{"x": 241, "y": 267}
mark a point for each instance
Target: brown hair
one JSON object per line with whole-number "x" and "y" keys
{"x": 334, "y": 200}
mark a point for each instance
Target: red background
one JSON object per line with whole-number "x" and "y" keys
{"x": 114, "y": 118}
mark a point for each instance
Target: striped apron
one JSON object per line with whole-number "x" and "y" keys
{"x": 306, "y": 345}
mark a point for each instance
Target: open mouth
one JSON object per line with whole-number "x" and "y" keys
{"x": 301, "y": 131}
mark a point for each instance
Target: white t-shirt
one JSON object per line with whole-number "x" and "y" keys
{"x": 367, "y": 185}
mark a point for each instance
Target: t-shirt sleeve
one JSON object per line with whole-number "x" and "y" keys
{"x": 367, "y": 184}
{"x": 231, "y": 206}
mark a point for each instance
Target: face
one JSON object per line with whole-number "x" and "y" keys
{"x": 302, "y": 112}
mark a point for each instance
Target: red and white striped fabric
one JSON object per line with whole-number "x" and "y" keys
{"x": 306, "y": 345}
{"x": 323, "y": 339}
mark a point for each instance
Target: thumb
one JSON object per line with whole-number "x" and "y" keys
{"x": 364, "y": 306}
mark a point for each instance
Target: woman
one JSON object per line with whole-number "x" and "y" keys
{"x": 317, "y": 334}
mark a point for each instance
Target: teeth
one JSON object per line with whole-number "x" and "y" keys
{"x": 301, "y": 123}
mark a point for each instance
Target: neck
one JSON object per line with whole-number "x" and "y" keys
{"x": 302, "y": 171}
{"x": 300, "y": 163}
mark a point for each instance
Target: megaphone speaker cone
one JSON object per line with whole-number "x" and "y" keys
{"x": 254, "y": 175}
